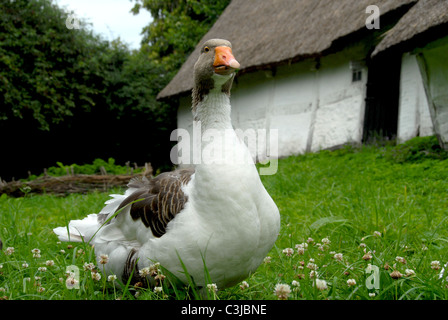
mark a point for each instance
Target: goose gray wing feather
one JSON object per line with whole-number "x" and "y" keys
{"x": 160, "y": 199}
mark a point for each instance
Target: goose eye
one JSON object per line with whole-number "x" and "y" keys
{"x": 206, "y": 49}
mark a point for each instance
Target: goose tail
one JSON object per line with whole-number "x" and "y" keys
{"x": 79, "y": 230}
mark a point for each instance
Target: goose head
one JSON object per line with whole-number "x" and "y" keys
{"x": 214, "y": 69}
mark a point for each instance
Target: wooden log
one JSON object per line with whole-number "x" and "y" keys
{"x": 64, "y": 185}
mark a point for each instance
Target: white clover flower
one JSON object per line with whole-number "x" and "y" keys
{"x": 338, "y": 256}
{"x": 71, "y": 282}
{"x": 111, "y": 278}
{"x": 40, "y": 289}
{"x": 42, "y": 269}
{"x": 144, "y": 272}
{"x": 377, "y": 234}
{"x": 36, "y": 253}
{"x": 351, "y": 282}
{"x": 368, "y": 256}
{"x": 295, "y": 283}
{"x": 396, "y": 275}
{"x": 409, "y": 272}
{"x": 160, "y": 277}
{"x": 103, "y": 258}
{"x": 435, "y": 265}
{"x": 25, "y": 265}
{"x": 321, "y": 284}
{"x": 288, "y": 252}
{"x": 302, "y": 245}
{"x": 267, "y": 260}
{"x": 96, "y": 276}
{"x": 400, "y": 259}
{"x": 154, "y": 269}
{"x": 312, "y": 266}
{"x": 49, "y": 263}
{"x": 212, "y": 287}
{"x": 244, "y": 285}
{"x": 9, "y": 251}
{"x": 326, "y": 241}
{"x": 158, "y": 289}
{"x": 282, "y": 291}
{"x": 88, "y": 266}
{"x": 301, "y": 248}
{"x": 69, "y": 274}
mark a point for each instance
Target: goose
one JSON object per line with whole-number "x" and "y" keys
{"x": 214, "y": 220}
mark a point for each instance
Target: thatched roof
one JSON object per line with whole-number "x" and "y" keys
{"x": 422, "y": 17}
{"x": 268, "y": 32}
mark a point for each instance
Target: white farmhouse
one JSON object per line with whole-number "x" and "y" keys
{"x": 308, "y": 72}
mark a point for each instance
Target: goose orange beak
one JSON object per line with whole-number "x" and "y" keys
{"x": 225, "y": 62}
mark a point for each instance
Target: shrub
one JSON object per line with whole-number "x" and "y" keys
{"x": 416, "y": 150}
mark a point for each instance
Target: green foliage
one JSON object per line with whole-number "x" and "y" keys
{"x": 49, "y": 72}
{"x": 177, "y": 27}
{"x": 417, "y": 150}
{"x": 46, "y": 70}
{"x": 94, "y": 168}
{"x": 73, "y": 84}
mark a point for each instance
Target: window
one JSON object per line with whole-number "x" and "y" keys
{"x": 356, "y": 67}
{"x": 356, "y": 75}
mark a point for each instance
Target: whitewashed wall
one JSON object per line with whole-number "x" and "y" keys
{"x": 283, "y": 102}
{"x": 414, "y": 118}
{"x": 340, "y": 111}
{"x": 312, "y": 108}
{"x": 434, "y": 69}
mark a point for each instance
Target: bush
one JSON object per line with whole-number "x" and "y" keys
{"x": 94, "y": 168}
{"x": 416, "y": 150}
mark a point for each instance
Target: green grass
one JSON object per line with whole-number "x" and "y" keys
{"x": 389, "y": 201}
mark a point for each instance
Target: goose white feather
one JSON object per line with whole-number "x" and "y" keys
{"x": 219, "y": 214}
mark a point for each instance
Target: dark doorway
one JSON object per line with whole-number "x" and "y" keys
{"x": 383, "y": 87}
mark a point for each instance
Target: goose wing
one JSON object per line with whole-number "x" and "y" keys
{"x": 160, "y": 199}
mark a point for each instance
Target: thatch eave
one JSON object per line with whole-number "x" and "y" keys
{"x": 267, "y": 35}
{"x": 426, "y": 21}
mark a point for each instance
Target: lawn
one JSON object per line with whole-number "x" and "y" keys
{"x": 356, "y": 223}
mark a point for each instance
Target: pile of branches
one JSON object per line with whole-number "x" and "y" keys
{"x": 72, "y": 183}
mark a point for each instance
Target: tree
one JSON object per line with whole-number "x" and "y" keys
{"x": 67, "y": 95}
{"x": 46, "y": 70}
{"x": 177, "y": 27}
